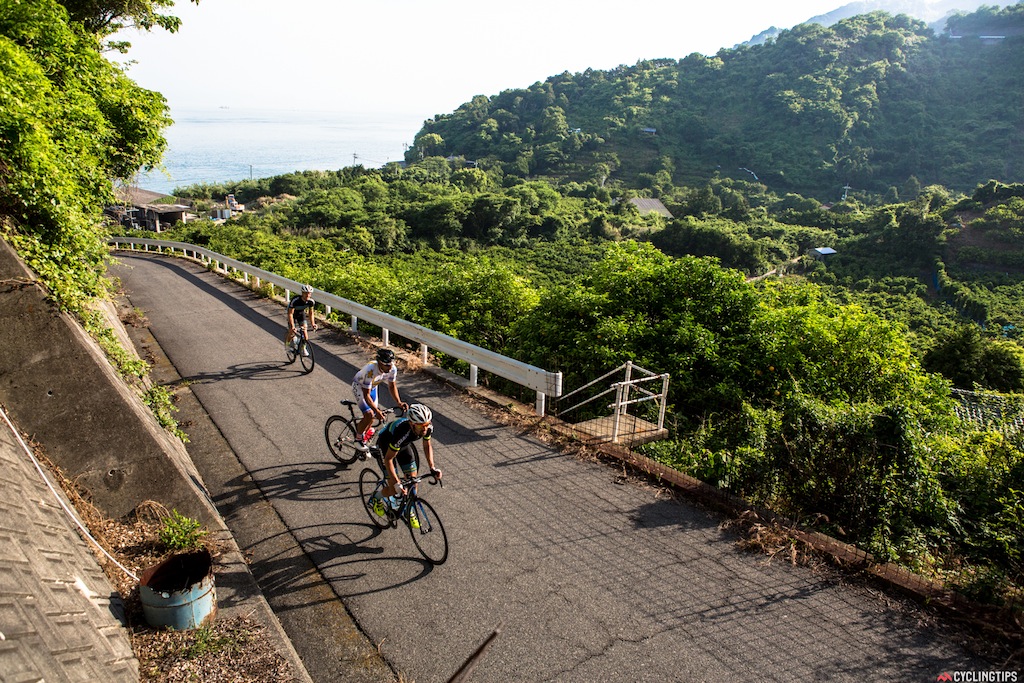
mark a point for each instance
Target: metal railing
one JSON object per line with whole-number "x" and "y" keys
{"x": 543, "y": 382}
{"x": 990, "y": 410}
{"x": 622, "y": 391}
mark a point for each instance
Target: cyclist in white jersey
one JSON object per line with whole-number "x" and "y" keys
{"x": 382, "y": 370}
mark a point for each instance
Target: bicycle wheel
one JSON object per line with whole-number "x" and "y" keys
{"x": 341, "y": 436}
{"x": 370, "y": 482}
{"x": 305, "y": 355}
{"x": 289, "y": 352}
{"x": 430, "y": 539}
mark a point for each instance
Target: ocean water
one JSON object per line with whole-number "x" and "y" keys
{"x": 218, "y": 145}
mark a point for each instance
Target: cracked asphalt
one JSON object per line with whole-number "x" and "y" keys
{"x": 591, "y": 576}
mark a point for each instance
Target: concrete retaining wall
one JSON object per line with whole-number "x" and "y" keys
{"x": 60, "y": 389}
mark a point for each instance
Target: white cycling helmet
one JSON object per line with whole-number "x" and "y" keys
{"x": 307, "y": 288}
{"x": 419, "y": 414}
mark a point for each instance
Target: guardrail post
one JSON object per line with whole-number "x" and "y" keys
{"x": 472, "y": 375}
{"x": 355, "y": 324}
{"x": 423, "y": 353}
{"x": 664, "y": 400}
{"x": 539, "y": 406}
{"x": 618, "y": 410}
{"x": 385, "y": 337}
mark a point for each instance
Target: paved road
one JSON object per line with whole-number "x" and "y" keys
{"x": 594, "y": 577}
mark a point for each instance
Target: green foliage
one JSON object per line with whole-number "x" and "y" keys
{"x": 107, "y": 17}
{"x": 70, "y": 121}
{"x": 127, "y": 365}
{"x": 181, "y": 534}
{"x": 971, "y": 360}
{"x": 161, "y": 402}
{"x": 876, "y": 102}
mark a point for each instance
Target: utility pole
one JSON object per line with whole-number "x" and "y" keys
{"x": 846, "y": 188}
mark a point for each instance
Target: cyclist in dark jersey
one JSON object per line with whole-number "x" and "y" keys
{"x": 395, "y": 444}
{"x": 297, "y": 308}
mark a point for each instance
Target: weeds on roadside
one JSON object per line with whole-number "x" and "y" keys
{"x": 161, "y": 402}
{"x": 181, "y": 533}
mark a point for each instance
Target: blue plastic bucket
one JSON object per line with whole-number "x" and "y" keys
{"x": 178, "y": 593}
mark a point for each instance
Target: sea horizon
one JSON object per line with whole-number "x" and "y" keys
{"x": 220, "y": 144}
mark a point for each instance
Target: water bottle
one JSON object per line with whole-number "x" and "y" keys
{"x": 368, "y": 434}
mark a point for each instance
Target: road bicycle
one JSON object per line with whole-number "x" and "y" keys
{"x": 417, "y": 514}
{"x": 340, "y": 432}
{"x": 300, "y": 347}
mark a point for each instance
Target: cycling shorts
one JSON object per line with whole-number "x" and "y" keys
{"x": 357, "y": 390}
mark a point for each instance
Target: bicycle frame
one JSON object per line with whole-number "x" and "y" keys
{"x": 411, "y": 497}
{"x": 425, "y": 526}
{"x": 340, "y": 433}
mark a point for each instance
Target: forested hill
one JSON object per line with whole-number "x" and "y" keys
{"x": 867, "y": 103}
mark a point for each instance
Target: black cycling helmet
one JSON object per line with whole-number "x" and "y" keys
{"x": 385, "y": 356}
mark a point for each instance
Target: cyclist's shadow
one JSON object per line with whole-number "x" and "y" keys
{"x": 247, "y": 371}
{"x": 342, "y": 554}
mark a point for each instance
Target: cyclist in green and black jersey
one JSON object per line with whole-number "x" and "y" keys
{"x": 395, "y": 444}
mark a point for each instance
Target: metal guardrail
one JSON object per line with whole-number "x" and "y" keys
{"x": 620, "y": 405}
{"x": 543, "y": 382}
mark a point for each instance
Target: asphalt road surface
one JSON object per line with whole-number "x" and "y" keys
{"x": 593, "y": 576}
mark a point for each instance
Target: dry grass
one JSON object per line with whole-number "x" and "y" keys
{"x": 771, "y": 539}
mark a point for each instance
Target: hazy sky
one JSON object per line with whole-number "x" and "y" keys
{"x": 416, "y": 58}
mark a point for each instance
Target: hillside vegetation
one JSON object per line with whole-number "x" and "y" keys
{"x": 869, "y": 103}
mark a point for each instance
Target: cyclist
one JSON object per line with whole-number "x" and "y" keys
{"x": 297, "y": 308}
{"x": 395, "y": 443}
{"x": 381, "y": 370}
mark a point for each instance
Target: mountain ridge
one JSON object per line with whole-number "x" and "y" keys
{"x": 934, "y": 14}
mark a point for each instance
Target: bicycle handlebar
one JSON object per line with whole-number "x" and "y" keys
{"x": 417, "y": 479}
{"x": 396, "y": 411}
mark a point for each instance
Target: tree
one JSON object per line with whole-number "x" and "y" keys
{"x": 106, "y": 17}
{"x": 429, "y": 145}
{"x": 340, "y": 207}
{"x": 477, "y": 302}
{"x": 70, "y": 122}
{"x": 969, "y": 360}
